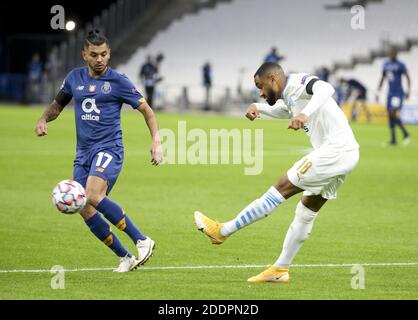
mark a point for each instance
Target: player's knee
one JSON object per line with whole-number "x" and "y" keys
{"x": 93, "y": 197}
{"x": 87, "y": 212}
{"x": 286, "y": 188}
{"x": 314, "y": 204}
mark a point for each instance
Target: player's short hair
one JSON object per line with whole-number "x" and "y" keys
{"x": 267, "y": 66}
{"x": 95, "y": 37}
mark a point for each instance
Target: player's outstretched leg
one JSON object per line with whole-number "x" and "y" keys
{"x": 259, "y": 209}
{"x": 114, "y": 213}
{"x": 101, "y": 229}
{"x": 298, "y": 232}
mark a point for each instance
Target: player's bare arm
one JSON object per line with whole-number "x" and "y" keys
{"x": 49, "y": 115}
{"x": 151, "y": 120}
{"x": 408, "y": 79}
{"x": 382, "y": 80}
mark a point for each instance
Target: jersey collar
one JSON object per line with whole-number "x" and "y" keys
{"x": 285, "y": 86}
{"x": 102, "y": 76}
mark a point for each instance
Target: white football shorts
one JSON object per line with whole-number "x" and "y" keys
{"x": 323, "y": 171}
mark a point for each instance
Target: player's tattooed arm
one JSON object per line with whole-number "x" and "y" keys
{"x": 49, "y": 115}
{"x": 151, "y": 120}
{"x": 52, "y": 112}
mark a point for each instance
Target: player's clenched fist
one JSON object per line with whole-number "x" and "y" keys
{"x": 252, "y": 112}
{"x": 298, "y": 122}
{"x": 41, "y": 128}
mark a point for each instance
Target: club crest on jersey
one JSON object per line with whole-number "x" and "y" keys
{"x": 92, "y": 88}
{"x": 304, "y": 79}
{"x": 106, "y": 88}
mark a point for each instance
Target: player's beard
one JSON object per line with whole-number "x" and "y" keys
{"x": 98, "y": 70}
{"x": 271, "y": 97}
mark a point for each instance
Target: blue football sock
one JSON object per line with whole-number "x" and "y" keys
{"x": 115, "y": 215}
{"x": 101, "y": 229}
{"x": 401, "y": 126}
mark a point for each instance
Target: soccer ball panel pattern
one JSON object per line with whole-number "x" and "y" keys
{"x": 69, "y": 196}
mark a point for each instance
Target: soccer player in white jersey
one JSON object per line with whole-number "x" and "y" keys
{"x": 308, "y": 103}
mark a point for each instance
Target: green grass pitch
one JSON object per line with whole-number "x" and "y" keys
{"x": 374, "y": 220}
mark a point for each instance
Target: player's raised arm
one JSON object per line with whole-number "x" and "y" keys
{"x": 151, "y": 120}
{"x": 321, "y": 91}
{"x": 278, "y": 111}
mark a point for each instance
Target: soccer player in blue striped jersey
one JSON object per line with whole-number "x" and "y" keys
{"x": 393, "y": 70}
{"x": 98, "y": 93}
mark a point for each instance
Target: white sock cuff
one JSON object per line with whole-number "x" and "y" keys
{"x": 305, "y": 213}
{"x": 273, "y": 191}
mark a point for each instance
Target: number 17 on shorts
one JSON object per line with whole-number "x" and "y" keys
{"x": 103, "y": 161}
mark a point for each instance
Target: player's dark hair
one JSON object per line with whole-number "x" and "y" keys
{"x": 267, "y": 66}
{"x": 95, "y": 37}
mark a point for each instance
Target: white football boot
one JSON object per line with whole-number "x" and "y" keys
{"x": 127, "y": 264}
{"x": 145, "y": 250}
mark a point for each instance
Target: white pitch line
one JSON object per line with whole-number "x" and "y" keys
{"x": 389, "y": 264}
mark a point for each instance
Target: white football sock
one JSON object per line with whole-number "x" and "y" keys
{"x": 298, "y": 232}
{"x": 257, "y": 210}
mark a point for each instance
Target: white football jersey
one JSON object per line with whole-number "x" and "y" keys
{"x": 327, "y": 126}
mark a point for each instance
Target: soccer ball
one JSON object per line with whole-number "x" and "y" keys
{"x": 69, "y": 196}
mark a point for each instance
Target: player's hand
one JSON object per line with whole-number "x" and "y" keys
{"x": 298, "y": 122}
{"x": 156, "y": 153}
{"x": 252, "y": 112}
{"x": 41, "y": 128}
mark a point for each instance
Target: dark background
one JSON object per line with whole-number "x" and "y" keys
{"x": 23, "y": 24}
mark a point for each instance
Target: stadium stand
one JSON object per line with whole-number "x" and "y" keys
{"x": 311, "y": 38}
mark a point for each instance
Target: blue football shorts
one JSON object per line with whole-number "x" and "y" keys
{"x": 105, "y": 163}
{"x": 394, "y": 102}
